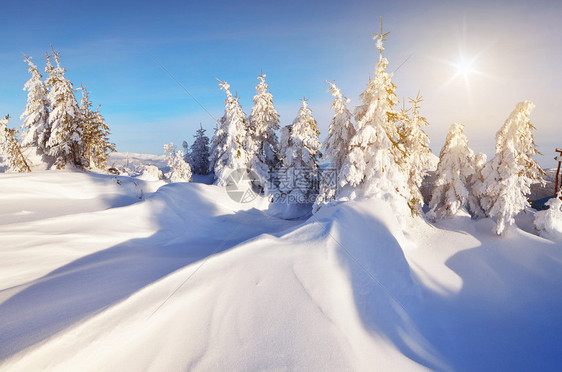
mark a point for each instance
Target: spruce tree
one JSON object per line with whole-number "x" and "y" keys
{"x": 10, "y": 148}
{"x": 371, "y": 169}
{"x": 336, "y": 145}
{"x": 415, "y": 144}
{"x": 509, "y": 175}
{"x": 95, "y": 134}
{"x": 35, "y": 126}
{"x": 186, "y": 155}
{"x": 300, "y": 165}
{"x": 65, "y": 120}
{"x": 456, "y": 166}
{"x": 340, "y": 131}
{"x": 263, "y": 121}
{"x": 199, "y": 154}
{"x": 477, "y": 187}
{"x": 229, "y": 153}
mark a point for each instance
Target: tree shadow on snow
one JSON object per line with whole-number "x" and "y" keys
{"x": 383, "y": 287}
{"x": 189, "y": 231}
{"x": 506, "y": 316}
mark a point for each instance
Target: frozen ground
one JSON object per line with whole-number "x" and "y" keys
{"x": 114, "y": 273}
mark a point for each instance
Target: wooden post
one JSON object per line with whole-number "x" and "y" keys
{"x": 557, "y": 182}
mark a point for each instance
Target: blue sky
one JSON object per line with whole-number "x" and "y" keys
{"x": 113, "y": 49}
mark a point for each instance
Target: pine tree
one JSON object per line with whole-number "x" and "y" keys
{"x": 456, "y": 166}
{"x": 228, "y": 143}
{"x": 337, "y": 144}
{"x": 372, "y": 167}
{"x": 35, "y": 126}
{"x": 508, "y": 177}
{"x": 11, "y": 149}
{"x": 263, "y": 144}
{"x": 300, "y": 164}
{"x": 180, "y": 171}
{"x": 95, "y": 134}
{"x": 415, "y": 145}
{"x": 200, "y": 153}
{"x": 65, "y": 120}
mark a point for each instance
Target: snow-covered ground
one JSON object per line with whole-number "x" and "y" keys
{"x": 102, "y": 272}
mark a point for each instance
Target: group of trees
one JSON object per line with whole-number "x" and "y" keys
{"x": 497, "y": 188}
{"x": 376, "y": 151}
{"x": 62, "y": 131}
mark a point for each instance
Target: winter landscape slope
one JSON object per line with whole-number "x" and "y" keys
{"x": 114, "y": 273}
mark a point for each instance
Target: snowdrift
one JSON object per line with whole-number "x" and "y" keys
{"x": 92, "y": 277}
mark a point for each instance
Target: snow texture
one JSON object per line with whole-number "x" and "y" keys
{"x": 187, "y": 279}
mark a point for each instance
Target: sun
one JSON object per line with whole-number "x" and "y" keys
{"x": 464, "y": 67}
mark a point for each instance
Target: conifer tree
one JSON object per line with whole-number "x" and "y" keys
{"x": 186, "y": 155}
{"x": 300, "y": 164}
{"x": 509, "y": 175}
{"x": 372, "y": 170}
{"x": 285, "y": 135}
{"x": 415, "y": 145}
{"x": 340, "y": 131}
{"x": 11, "y": 149}
{"x": 456, "y": 166}
{"x": 477, "y": 188}
{"x": 263, "y": 121}
{"x": 36, "y": 130}
{"x": 337, "y": 144}
{"x": 229, "y": 139}
{"x": 180, "y": 171}
{"x": 95, "y": 134}
{"x": 218, "y": 138}
{"x": 199, "y": 155}
{"x": 65, "y": 120}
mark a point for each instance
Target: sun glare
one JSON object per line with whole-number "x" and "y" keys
{"x": 464, "y": 67}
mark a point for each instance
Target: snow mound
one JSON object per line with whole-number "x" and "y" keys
{"x": 188, "y": 279}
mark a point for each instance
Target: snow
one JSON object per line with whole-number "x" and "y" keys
{"x": 95, "y": 276}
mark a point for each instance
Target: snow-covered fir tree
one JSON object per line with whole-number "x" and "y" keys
{"x": 509, "y": 175}
{"x": 10, "y": 148}
{"x": 300, "y": 163}
{"x": 336, "y": 145}
{"x": 340, "y": 131}
{"x": 35, "y": 116}
{"x": 95, "y": 134}
{"x": 477, "y": 189}
{"x": 415, "y": 145}
{"x": 549, "y": 221}
{"x": 285, "y": 135}
{"x": 65, "y": 120}
{"x": 371, "y": 169}
{"x": 217, "y": 139}
{"x": 180, "y": 171}
{"x": 456, "y": 166}
{"x": 199, "y": 155}
{"x": 228, "y": 152}
{"x": 186, "y": 155}
{"x": 263, "y": 121}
